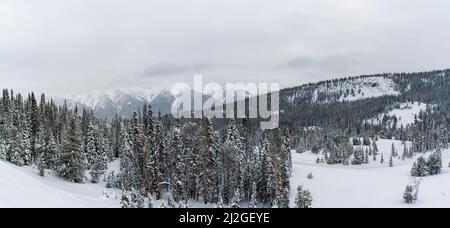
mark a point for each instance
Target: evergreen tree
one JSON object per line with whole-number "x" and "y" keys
{"x": 434, "y": 163}
{"x": 92, "y": 144}
{"x": 128, "y": 170}
{"x": 71, "y": 161}
{"x": 236, "y": 201}
{"x": 125, "y": 201}
{"x": 42, "y": 166}
{"x": 99, "y": 163}
{"x": 207, "y": 160}
{"x": 393, "y": 151}
{"x": 177, "y": 177}
{"x": 138, "y": 146}
{"x": 304, "y": 198}
{"x": 15, "y": 147}
{"x": 253, "y": 200}
{"x": 419, "y": 168}
{"x": 408, "y": 195}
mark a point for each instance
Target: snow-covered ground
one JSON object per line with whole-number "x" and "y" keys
{"x": 373, "y": 185}
{"x": 404, "y": 112}
{"x": 23, "y": 187}
{"x": 368, "y": 186}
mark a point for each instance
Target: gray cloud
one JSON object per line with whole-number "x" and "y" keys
{"x": 168, "y": 69}
{"x": 332, "y": 63}
{"x": 80, "y": 45}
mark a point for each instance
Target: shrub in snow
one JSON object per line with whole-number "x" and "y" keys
{"x": 434, "y": 163}
{"x": 408, "y": 195}
{"x": 304, "y": 198}
{"x": 310, "y": 176}
{"x": 411, "y": 193}
{"x": 432, "y": 166}
{"x": 419, "y": 168}
{"x": 358, "y": 157}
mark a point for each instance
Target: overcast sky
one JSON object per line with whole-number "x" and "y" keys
{"x": 73, "y": 46}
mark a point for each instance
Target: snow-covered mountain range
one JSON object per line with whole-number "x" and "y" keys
{"x": 122, "y": 102}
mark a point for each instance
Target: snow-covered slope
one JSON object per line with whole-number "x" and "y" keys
{"x": 341, "y": 90}
{"x": 405, "y": 114}
{"x": 22, "y": 187}
{"x": 374, "y": 185}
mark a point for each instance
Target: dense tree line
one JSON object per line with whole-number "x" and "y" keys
{"x": 187, "y": 161}
{"x": 160, "y": 158}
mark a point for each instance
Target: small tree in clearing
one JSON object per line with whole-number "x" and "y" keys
{"x": 408, "y": 195}
{"x": 304, "y": 198}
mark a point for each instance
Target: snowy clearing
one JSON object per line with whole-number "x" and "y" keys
{"x": 404, "y": 112}
{"x": 374, "y": 185}
{"x": 22, "y": 187}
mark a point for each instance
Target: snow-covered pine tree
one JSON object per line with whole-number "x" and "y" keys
{"x": 139, "y": 150}
{"x": 283, "y": 198}
{"x": 219, "y": 203}
{"x": 434, "y": 163}
{"x": 190, "y": 135}
{"x": 304, "y": 198}
{"x": 153, "y": 160}
{"x": 3, "y": 149}
{"x": 99, "y": 162}
{"x": 49, "y": 151}
{"x": 280, "y": 156}
{"x": 358, "y": 157}
{"x": 177, "y": 178}
{"x": 71, "y": 161}
{"x": 33, "y": 129}
{"x": 419, "y": 168}
{"x": 236, "y": 201}
{"x": 41, "y": 165}
{"x": 128, "y": 171}
{"x": 405, "y": 152}
{"x": 26, "y": 144}
{"x": 15, "y": 147}
{"x": 408, "y": 195}
{"x": 139, "y": 201}
{"x": 231, "y": 150}
{"x": 125, "y": 201}
{"x": 92, "y": 144}
{"x": 253, "y": 198}
{"x": 393, "y": 151}
{"x": 207, "y": 160}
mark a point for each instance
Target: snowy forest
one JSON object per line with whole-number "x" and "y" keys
{"x": 383, "y": 125}
{"x": 160, "y": 158}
